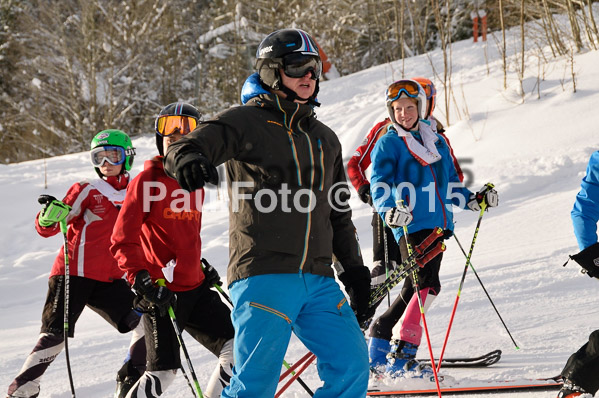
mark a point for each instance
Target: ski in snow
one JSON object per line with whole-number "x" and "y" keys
{"x": 484, "y": 360}
{"x": 476, "y": 387}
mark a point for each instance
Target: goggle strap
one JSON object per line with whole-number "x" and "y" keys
{"x": 186, "y": 129}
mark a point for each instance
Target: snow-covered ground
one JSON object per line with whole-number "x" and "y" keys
{"x": 535, "y": 152}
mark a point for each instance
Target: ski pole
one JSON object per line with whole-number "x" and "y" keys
{"x": 299, "y": 379}
{"x": 308, "y": 360}
{"x": 63, "y": 229}
{"x": 485, "y": 290}
{"x": 421, "y": 305}
{"x": 483, "y": 207}
{"x": 171, "y": 313}
{"x": 382, "y": 225}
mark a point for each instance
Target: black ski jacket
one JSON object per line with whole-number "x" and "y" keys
{"x": 288, "y": 210}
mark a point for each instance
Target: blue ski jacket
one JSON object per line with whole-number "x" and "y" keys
{"x": 585, "y": 213}
{"x": 430, "y": 191}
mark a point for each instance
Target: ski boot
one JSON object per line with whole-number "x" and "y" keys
{"x": 125, "y": 379}
{"x": 401, "y": 362}
{"x": 570, "y": 390}
{"x": 377, "y": 353}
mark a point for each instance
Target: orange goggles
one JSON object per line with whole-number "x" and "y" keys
{"x": 167, "y": 125}
{"x": 430, "y": 90}
{"x": 408, "y": 87}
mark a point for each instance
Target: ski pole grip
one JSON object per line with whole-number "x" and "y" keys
{"x": 162, "y": 282}
{"x": 63, "y": 226}
{"x": 482, "y": 195}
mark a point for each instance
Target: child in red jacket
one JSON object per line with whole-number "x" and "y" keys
{"x": 157, "y": 236}
{"x": 95, "y": 280}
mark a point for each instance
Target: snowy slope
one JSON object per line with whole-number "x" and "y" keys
{"x": 535, "y": 152}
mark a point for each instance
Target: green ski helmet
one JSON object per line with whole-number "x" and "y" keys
{"x": 116, "y": 140}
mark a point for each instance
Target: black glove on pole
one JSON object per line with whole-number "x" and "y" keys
{"x": 211, "y": 276}
{"x": 357, "y": 285}
{"x": 160, "y": 296}
{"x": 364, "y": 194}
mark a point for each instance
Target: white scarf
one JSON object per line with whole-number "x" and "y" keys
{"x": 117, "y": 197}
{"x": 425, "y": 153}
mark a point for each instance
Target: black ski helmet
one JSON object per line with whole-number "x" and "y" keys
{"x": 174, "y": 109}
{"x": 270, "y": 53}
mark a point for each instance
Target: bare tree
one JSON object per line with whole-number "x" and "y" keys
{"x": 522, "y": 50}
{"x": 503, "y": 44}
{"x": 574, "y": 25}
{"x": 444, "y": 30}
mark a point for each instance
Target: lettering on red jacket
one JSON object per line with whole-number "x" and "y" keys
{"x": 178, "y": 214}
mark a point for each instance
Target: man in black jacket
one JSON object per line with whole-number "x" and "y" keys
{"x": 288, "y": 216}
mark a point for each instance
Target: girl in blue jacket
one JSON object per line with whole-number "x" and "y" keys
{"x": 414, "y": 182}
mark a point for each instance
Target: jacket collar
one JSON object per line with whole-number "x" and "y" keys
{"x": 292, "y": 111}
{"x": 118, "y": 182}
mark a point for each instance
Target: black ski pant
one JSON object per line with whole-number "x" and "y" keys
{"x": 113, "y": 301}
{"x": 582, "y": 367}
{"x": 428, "y": 276}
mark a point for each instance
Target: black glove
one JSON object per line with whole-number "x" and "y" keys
{"x": 357, "y": 285}
{"x": 159, "y": 296}
{"x": 192, "y": 170}
{"x": 588, "y": 259}
{"x": 211, "y": 276}
{"x": 364, "y": 194}
{"x": 45, "y": 200}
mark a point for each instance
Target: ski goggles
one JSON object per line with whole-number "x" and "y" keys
{"x": 429, "y": 90}
{"x": 407, "y": 87}
{"x": 167, "y": 125}
{"x": 112, "y": 154}
{"x": 297, "y": 65}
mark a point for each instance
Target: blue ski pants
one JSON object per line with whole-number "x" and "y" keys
{"x": 267, "y": 308}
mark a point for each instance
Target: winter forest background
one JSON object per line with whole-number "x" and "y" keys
{"x": 71, "y": 68}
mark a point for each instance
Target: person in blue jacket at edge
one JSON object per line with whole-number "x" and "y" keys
{"x": 414, "y": 183}
{"x": 581, "y": 373}
{"x": 288, "y": 216}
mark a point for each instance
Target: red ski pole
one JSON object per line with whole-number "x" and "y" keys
{"x": 483, "y": 206}
{"x": 306, "y": 360}
{"x": 421, "y": 305}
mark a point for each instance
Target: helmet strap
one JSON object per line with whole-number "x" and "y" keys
{"x": 292, "y": 95}
{"x": 160, "y": 144}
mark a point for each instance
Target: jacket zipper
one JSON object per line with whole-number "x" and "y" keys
{"x": 309, "y": 219}
{"x": 271, "y": 310}
{"x": 322, "y": 171}
{"x": 299, "y": 175}
{"x": 295, "y": 158}
{"x": 439, "y": 197}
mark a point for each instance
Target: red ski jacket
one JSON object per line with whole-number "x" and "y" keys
{"x": 160, "y": 222}
{"x": 90, "y": 224}
{"x": 359, "y": 162}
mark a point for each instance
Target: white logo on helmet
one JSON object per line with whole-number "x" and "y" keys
{"x": 101, "y": 136}
{"x": 265, "y": 50}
